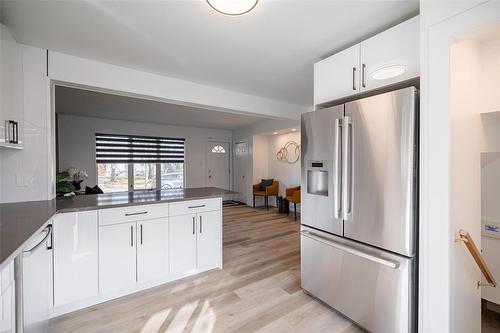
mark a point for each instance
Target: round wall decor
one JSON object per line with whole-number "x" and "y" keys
{"x": 290, "y": 152}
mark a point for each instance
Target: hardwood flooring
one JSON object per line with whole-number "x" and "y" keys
{"x": 257, "y": 291}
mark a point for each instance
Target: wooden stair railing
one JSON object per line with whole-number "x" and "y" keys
{"x": 465, "y": 237}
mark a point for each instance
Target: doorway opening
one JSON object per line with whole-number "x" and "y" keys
{"x": 475, "y": 177}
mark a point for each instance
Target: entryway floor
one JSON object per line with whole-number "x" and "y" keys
{"x": 257, "y": 291}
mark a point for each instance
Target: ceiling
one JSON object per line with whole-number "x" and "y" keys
{"x": 269, "y": 52}
{"x": 88, "y": 103}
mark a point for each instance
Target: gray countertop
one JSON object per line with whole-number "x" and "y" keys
{"x": 22, "y": 220}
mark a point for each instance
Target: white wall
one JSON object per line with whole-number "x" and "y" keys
{"x": 81, "y": 71}
{"x": 26, "y": 174}
{"x": 247, "y": 134}
{"x": 288, "y": 174}
{"x": 266, "y": 165}
{"x": 440, "y": 22}
{"x": 465, "y": 186}
{"x": 77, "y": 143}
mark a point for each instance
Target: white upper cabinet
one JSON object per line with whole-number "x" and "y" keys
{"x": 387, "y": 58}
{"x": 75, "y": 257}
{"x": 392, "y": 56}
{"x": 337, "y": 76}
{"x": 209, "y": 240}
{"x": 11, "y": 90}
{"x": 152, "y": 249}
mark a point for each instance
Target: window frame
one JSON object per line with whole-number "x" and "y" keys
{"x": 130, "y": 176}
{"x": 130, "y": 165}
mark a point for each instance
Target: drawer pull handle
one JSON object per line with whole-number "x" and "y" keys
{"x": 199, "y": 206}
{"x": 138, "y": 213}
{"x": 348, "y": 249}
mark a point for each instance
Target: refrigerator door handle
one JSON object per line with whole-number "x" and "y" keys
{"x": 348, "y": 249}
{"x": 347, "y": 168}
{"x": 338, "y": 170}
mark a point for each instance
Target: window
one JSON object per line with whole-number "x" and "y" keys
{"x": 139, "y": 162}
{"x": 218, "y": 150}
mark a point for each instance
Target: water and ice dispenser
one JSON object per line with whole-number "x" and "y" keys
{"x": 317, "y": 177}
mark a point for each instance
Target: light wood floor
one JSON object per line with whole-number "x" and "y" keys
{"x": 258, "y": 290}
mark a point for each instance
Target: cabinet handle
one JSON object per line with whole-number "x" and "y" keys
{"x": 141, "y": 234}
{"x": 354, "y": 78}
{"x": 194, "y": 228}
{"x": 132, "y": 236}
{"x": 199, "y": 206}
{"x": 10, "y": 131}
{"x": 363, "y": 76}
{"x": 139, "y": 213}
{"x": 15, "y": 130}
{"x": 201, "y": 225}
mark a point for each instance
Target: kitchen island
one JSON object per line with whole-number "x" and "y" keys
{"x": 110, "y": 245}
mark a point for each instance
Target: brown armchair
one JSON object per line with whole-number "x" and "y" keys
{"x": 271, "y": 191}
{"x": 293, "y": 195}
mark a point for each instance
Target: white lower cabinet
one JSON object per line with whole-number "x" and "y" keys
{"x": 182, "y": 245}
{"x": 195, "y": 242}
{"x": 117, "y": 257}
{"x": 208, "y": 245}
{"x": 152, "y": 249}
{"x": 98, "y": 255}
{"x": 75, "y": 257}
{"x": 7, "y": 300}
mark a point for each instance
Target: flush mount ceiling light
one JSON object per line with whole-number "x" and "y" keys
{"x": 388, "y": 72}
{"x": 232, "y": 7}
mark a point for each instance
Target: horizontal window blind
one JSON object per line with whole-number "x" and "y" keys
{"x": 112, "y": 148}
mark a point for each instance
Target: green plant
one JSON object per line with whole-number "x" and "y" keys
{"x": 63, "y": 185}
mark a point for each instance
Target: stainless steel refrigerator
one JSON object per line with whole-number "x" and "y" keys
{"x": 359, "y": 209}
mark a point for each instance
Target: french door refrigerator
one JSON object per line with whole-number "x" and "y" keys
{"x": 359, "y": 209}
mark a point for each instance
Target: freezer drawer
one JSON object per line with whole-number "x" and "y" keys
{"x": 372, "y": 287}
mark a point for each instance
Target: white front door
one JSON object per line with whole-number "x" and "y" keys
{"x": 240, "y": 169}
{"x": 218, "y": 164}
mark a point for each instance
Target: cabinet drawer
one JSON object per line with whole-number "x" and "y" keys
{"x": 132, "y": 213}
{"x": 194, "y": 206}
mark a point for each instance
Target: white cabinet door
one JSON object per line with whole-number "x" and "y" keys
{"x": 209, "y": 240}
{"x": 11, "y": 94}
{"x": 182, "y": 242}
{"x": 152, "y": 249}
{"x": 7, "y": 299}
{"x": 117, "y": 256}
{"x": 75, "y": 257}
{"x": 393, "y": 51}
{"x": 337, "y": 76}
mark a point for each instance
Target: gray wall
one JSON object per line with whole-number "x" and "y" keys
{"x": 77, "y": 143}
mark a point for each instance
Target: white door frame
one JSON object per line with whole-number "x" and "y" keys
{"x": 230, "y": 155}
{"x": 436, "y": 233}
{"x": 246, "y": 175}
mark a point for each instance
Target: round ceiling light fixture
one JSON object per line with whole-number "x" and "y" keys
{"x": 232, "y": 7}
{"x": 388, "y": 72}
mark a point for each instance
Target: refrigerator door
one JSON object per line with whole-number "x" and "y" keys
{"x": 321, "y": 175}
{"x": 374, "y": 288}
{"x": 379, "y": 174}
